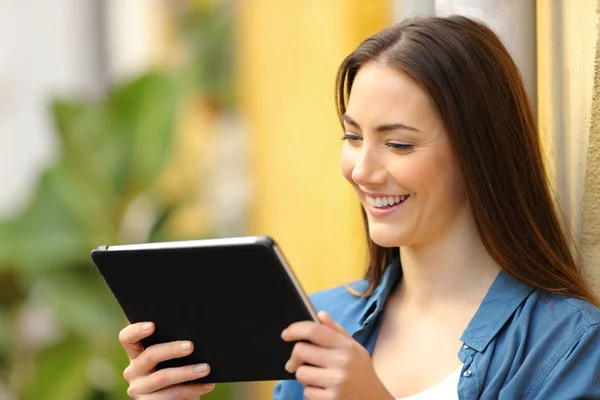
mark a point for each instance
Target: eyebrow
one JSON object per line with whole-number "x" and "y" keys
{"x": 380, "y": 128}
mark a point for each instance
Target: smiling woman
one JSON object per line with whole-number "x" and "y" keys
{"x": 471, "y": 291}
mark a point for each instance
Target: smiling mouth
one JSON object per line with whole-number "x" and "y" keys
{"x": 386, "y": 201}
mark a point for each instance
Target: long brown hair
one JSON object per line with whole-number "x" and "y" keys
{"x": 478, "y": 92}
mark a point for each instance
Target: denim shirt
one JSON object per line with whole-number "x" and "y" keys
{"x": 522, "y": 343}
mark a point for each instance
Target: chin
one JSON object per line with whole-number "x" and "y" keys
{"x": 384, "y": 238}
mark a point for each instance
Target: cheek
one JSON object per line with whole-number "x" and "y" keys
{"x": 444, "y": 181}
{"x": 432, "y": 175}
{"x": 412, "y": 172}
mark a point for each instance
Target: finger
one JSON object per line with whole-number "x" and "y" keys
{"x": 328, "y": 321}
{"x": 192, "y": 391}
{"x": 318, "y": 377}
{"x": 164, "y": 378}
{"x": 131, "y": 335}
{"x": 155, "y": 354}
{"x": 307, "y": 353}
{"x": 309, "y": 331}
{"x": 316, "y": 393}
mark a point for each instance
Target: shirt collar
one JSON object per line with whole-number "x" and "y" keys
{"x": 499, "y": 304}
{"x": 376, "y": 303}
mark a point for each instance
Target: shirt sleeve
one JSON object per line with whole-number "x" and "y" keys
{"x": 576, "y": 375}
{"x": 288, "y": 390}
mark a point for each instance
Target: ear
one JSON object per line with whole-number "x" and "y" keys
{"x": 330, "y": 323}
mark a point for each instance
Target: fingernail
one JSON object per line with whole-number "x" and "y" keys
{"x": 185, "y": 346}
{"x": 283, "y": 333}
{"x": 146, "y": 326}
{"x": 208, "y": 386}
{"x": 200, "y": 368}
{"x": 286, "y": 366}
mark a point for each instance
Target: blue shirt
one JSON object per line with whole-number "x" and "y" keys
{"x": 522, "y": 343}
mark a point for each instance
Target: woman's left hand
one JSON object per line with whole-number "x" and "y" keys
{"x": 330, "y": 363}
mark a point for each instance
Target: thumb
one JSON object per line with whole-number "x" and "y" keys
{"x": 330, "y": 323}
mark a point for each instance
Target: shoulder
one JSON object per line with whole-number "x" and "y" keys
{"x": 554, "y": 322}
{"x": 572, "y": 366}
{"x": 587, "y": 312}
{"x": 345, "y": 307}
{"x": 559, "y": 337}
{"x": 551, "y": 311}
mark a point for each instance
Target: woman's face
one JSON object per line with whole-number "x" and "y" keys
{"x": 398, "y": 158}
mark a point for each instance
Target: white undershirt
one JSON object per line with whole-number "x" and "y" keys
{"x": 444, "y": 390}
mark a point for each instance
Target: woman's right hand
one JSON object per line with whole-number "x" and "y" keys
{"x": 145, "y": 383}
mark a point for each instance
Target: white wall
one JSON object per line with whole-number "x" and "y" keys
{"x": 46, "y": 47}
{"x": 514, "y": 21}
{"x": 59, "y": 47}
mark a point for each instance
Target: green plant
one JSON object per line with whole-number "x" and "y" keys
{"x": 206, "y": 31}
{"x": 58, "y": 320}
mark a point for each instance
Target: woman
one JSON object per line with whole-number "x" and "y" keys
{"x": 472, "y": 291}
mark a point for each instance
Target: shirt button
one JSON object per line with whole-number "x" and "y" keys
{"x": 466, "y": 346}
{"x": 467, "y": 373}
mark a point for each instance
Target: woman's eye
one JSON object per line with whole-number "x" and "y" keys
{"x": 350, "y": 137}
{"x": 401, "y": 146}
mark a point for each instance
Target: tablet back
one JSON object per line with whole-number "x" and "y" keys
{"x": 231, "y": 298}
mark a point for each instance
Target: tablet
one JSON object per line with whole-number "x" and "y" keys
{"x": 231, "y": 297}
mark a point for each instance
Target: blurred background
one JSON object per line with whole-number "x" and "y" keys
{"x": 127, "y": 121}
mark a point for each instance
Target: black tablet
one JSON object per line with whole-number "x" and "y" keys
{"x": 231, "y": 297}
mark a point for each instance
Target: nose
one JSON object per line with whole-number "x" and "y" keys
{"x": 369, "y": 170}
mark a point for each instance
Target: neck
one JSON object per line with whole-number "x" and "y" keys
{"x": 455, "y": 269}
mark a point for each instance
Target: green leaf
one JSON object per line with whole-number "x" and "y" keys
{"x": 111, "y": 152}
{"x": 61, "y": 372}
{"x": 86, "y": 307}
{"x": 91, "y": 144}
{"x": 121, "y": 143}
{"x": 93, "y": 212}
{"x": 157, "y": 232}
{"x": 144, "y": 111}
{"x": 46, "y": 235}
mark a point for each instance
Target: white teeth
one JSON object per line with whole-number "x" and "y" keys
{"x": 386, "y": 200}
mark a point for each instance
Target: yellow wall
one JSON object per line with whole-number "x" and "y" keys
{"x": 288, "y": 56}
{"x": 568, "y": 115}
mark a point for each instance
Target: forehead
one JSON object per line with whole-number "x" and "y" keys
{"x": 381, "y": 93}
